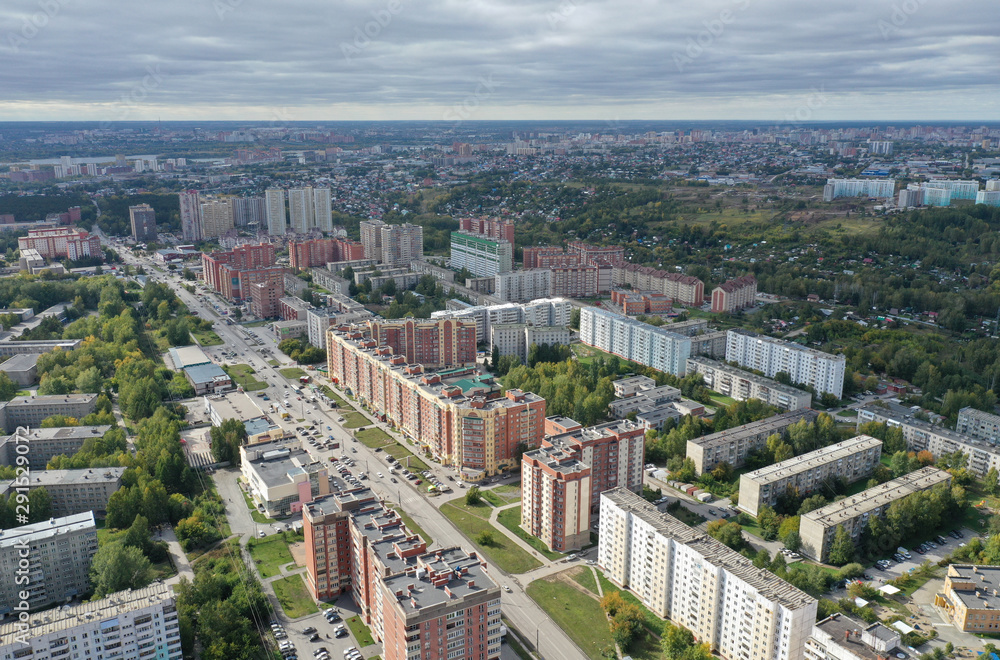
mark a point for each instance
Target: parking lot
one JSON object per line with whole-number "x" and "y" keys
{"x": 325, "y": 630}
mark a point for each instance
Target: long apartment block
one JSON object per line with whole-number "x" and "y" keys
{"x": 733, "y": 445}
{"x": 817, "y": 528}
{"x": 74, "y": 491}
{"x": 806, "y": 366}
{"x": 921, "y": 435}
{"x": 850, "y": 460}
{"x": 140, "y": 623}
{"x": 742, "y": 385}
{"x": 458, "y": 415}
{"x": 29, "y": 411}
{"x": 46, "y": 444}
{"x": 685, "y": 575}
{"x": 417, "y": 603}
{"x": 979, "y": 425}
{"x": 634, "y": 340}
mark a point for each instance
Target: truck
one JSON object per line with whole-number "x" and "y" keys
{"x": 304, "y": 379}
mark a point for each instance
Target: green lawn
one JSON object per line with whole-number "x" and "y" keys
{"x": 333, "y": 396}
{"x": 269, "y": 553}
{"x": 294, "y": 597}
{"x": 722, "y": 399}
{"x": 503, "y": 552}
{"x": 511, "y": 519}
{"x": 243, "y": 375}
{"x": 362, "y": 635}
{"x": 412, "y": 525}
{"x": 273, "y": 363}
{"x": 580, "y": 617}
{"x": 206, "y": 337}
{"x": 848, "y": 413}
{"x": 373, "y": 437}
{"x": 292, "y": 372}
{"x": 354, "y": 419}
{"x": 510, "y": 492}
{"x": 493, "y": 498}
{"x": 585, "y": 578}
{"x": 257, "y": 516}
{"x": 406, "y": 458}
{"x": 653, "y": 622}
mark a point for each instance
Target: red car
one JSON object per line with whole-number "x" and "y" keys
{"x": 419, "y": 481}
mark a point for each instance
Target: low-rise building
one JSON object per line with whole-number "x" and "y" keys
{"x": 839, "y": 637}
{"x": 817, "y": 528}
{"x": 733, "y": 445}
{"x": 208, "y": 378}
{"x": 74, "y": 491}
{"x": 187, "y": 356}
{"x": 289, "y": 330}
{"x": 850, "y": 460}
{"x": 645, "y": 399}
{"x": 234, "y": 405}
{"x": 626, "y": 387}
{"x": 282, "y": 479}
{"x": 22, "y": 369}
{"x": 46, "y": 444}
{"x": 974, "y": 423}
{"x": 742, "y": 385}
{"x": 140, "y": 623}
{"x": 971, "y": 597}
{"x": 555, "y": 498}
{"x": 29, "y": 411}
{"x": 11, "y": 346}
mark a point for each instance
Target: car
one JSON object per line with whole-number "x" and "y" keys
{"x": 378, "y": 449}
{"x": 314, "y": 637}
{"x": 332, "y": 615}
{"x": 954, "y": 534}
{"x": 393, "y": 480}
{"x": 348, "y": 650}
{"x": 418, "y": 482}
{"x": 261, "y": 533}
{"x": 461, "y": 484}
{"x": 941, "y": 540}
{"x": 379, "y": 475}
{"x": 340, "y": 632}
{"x": 308, "y": 631}
{"x": 899, "y": 558}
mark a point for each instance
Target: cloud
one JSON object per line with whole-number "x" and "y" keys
{"x": 406, "y": 59}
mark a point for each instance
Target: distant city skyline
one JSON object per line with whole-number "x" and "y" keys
{"x": 766, "y": 60}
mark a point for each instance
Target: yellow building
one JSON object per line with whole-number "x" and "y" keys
{"x": 971, "y": 597}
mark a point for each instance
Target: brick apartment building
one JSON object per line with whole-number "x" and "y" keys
{"x": 58, "y": 242}
{"x": 321, "y": 251}
{"x": 641, "y": 302}
{"x": 232, "y": 272}
{"x": 435, "y": 343}
{"x": 488, "y": 227}
{"x": 734, "y": 295}
{"x": 264, "y": 297}
{"x": 594, "y": 255}
{"x": 683, "y": 289}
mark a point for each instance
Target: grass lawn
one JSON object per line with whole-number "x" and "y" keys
{"x": 652, "y": 621}
{"x": 511, "y": 519}
{"x": 413, "y": 526}
{"x": 406, "y": 458}
{"x": 687, "y": 516}
{"x": 206, "y": 337}
{"x": 273, "y": 363}
{"x": 493, "y": 498}
{"x": 585, "y": 578}
{"x": 257, "y": 516}
{"x": 243, "y": 374}
{"x": 510, "y": 492}
{"x": 722, "y": 399}
{"x": 269, "y": 553}
{"x": 503, "y": 552}
{"x": 580, "y": 617}
{"x": 353, "y": 420}
{"x": 333, "y": 396}
{"x": 848, "y": 413}
{"x": 292, "y": 372}
{"x": 362, "y": 635}
{"x": 293, "y": 596}
{"x": 373, "y": 437}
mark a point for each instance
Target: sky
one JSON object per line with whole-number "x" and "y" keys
{"x": 298, "y": 60}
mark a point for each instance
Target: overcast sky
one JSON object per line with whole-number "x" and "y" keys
{"x": 116, "y": 60}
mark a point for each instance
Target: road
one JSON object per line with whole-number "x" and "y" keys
{"x": 520, "y": 610}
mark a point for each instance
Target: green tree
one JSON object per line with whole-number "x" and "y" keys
{"x": 39, "y": 505}
{"x": 473, "y": 497}
{"x": 842, "y": 547}
{"x": 728, "y": 533}
{"x": 138, "y": 535}
{"x": 117, "y": 567}
{"x": 485, "y": 538}
{"x": 8, "y": 388}
{"x": 769, "y": 523}
{"x": 227, "y": 439}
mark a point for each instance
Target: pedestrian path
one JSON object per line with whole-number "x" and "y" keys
{"x": 514, "y": 537}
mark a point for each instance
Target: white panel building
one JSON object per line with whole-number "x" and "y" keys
{"x": 805, "y": 366}
{"x": 634, "y": 340}
{"x": 277, "y": 218}
{"x": 523, "y": 285}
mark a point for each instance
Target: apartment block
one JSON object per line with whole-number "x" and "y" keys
{"x": 633, "y": 340}
{"x": 371, "y": 238}
{"x": 455, "y": 415}
{"x": 140, "y": 623}
{"x": 743, "y": 385}
{"x": 249, "y": 211}
{"x": 633, "y": 303}
{"x": 518, "y": 338}
{"x": 594, "y": 254}
{"x": 291, "y": 308}
{"x": 733, "y": 445}
{"x": 523, "y": 285}
{"x": 841, "y": 637}
{"x": 392, "y": 245}
{"x": 921, "y": 435}
{"x": 979, "y": 425}
{"x": 547, "y": 255}
{"x": 434, "y": 343}
{"x": 709, "y": 344}
{"x": 481, "y": 256}
{"x": 988, "y": 197}
{"x": 488, "y": 227}
{"x": 817, "y": 528}
{"x": 46, "y": 444}
{"x": 277, "y": 214}
{"x": 734, "y": 295}
{"x": 880, "y": 188}
{"x": 30, "y": 411}
{"x": 143, "y": 220}
{"x": 243, "y": 257}
{"x": 282, "y": 478}
{"x": 555, "y": 498}
{"x": 540, "y": 312}
{"x": 959, "y": 189}
{"x": 583, "y": 281}
{"x": 58, "y": 552}
{"x": 971, "y": 597}
{"x": 74, "y": 491}
{"x": 851, "y": 460}
{"x": 685, "y": 575}
{"x": 321, "y": 251}
{"x": 264, "y": 297}
{"x": 190, "y": 214}
{"x": 805, "y": 366}
{"x": 59, "y": 242}
{"x": 217, "y": 217}
{"x": 683, "y": 289}
{"x": 318, "y": 321}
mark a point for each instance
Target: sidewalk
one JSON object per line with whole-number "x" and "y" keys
{"x": 177, "y": 556}
{"x": 514, "y": 537}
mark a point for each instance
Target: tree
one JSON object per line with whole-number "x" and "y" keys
{"x": 612, "y": 602}
{"x": 626, "y": 625}
{"x": 728, "y": 533}
{"x": 842, "y": 547}
{"x": 495, "y": 357}
{"x": 39, "y": 505}
{"x": 792, "y": 541}
{"x": 485, "y": 538}
{"x": 992, "y": 481}
{"x": 8, "y": 388}
{"x": 117, "y": 567}
{"x": 473, "y": 497}
{"x": 138, "y": 535}
{"x": 769, "y": 523}
{"x": 227, "y": 440}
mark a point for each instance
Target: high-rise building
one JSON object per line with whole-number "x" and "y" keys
{"x": 190, "y": 213}
{"x": 143, "y": 220}
{"x": 139, "y": 623}
{"x": 401, "y": 244}
{"x": 523, "y": 285}
{"x": 264, "y": 298}
{"x": 58, "y": 552}
{"x": 518, "y": 338}
{"x": 804, "y": 366}
{"x": 879, "y": 188}
{"x": 959, "y": 189}
{"x": 433, "y": 343}
{"x": 55, "y": 242}
{"x": 734, "y": 295}
{"x": 249, "y": 211}
{"x": 555, "y": 498}
{"x": 685, "y": 575}
{"x": 323, "y": 209}
{"x": 988, "y": 197}
{"x": 481, "y": 256}
{"x": 593, "y": 255}
{"x": 301, "y": 209}
{"x": 277, "y": 217}
{"x": 321, "y": 251}
{"x": 634, "y": 340}
{"x": 231, "y": 273}
{"x": 216, "y": 217}
{"x": 371, "y": 238}
{"x": 489, "y": 228}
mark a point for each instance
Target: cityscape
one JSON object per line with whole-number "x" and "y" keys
{"x": 558, "y": 331}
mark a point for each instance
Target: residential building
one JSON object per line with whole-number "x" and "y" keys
{"x": 742, "y": 385}
{"x": 371, "y": 238}
{"x": 633, "y": 303}
{"x": 938, "y": 440}
{"x": 518, "y": 338}
{"x": 818, "y": 527}
{"x": 47, "y": 443}
{"x": 733, "y": 445}
{"x": 555, "y": 498}
{"x": 971, "y": 597}
{"x": 544, "y": 256}
{"x": 277, "y": 215}
{"x": 838, "y": 637}
{"x": 282, "y": 478}
{"x": 264, "y": 297}
{"x": 143, "y": 220}
{"x": 734, "y": 295}
{"x": 626, "y": 387}
{"x": 319, "y": 321}
{"x": 22, "y": 369}
{"x": 392, "y": 245}
{"x": 208, "y": 379}
{"x": 648, "y": 398}
{"x": 582, "y": 281}
{"x": 140, "y": 623}
{"x": 488, "y": 227}
{"x": 633, "y": 340}
{"x": 523, "y": 285}
{"x": 686, "y": 576}
{"x": 988, "y": 197}
{"x": 30, "y": 411}
{"x": 243, "y": 257}
{"x": 593, "y": 255}
{"x": 323, "y": 209}
{"x": 250, "y": 211}
{"x": 61, "y": 242}
{"x": 321, "y": 251}
{"x": 289, "y": 330}
{"x": 301, "y": 211}
{"x": 959, "y": 189}
{"x": 850, "y": 460}
{"x": 72, "y": 491}
{"x": 481, "y": 256}
{"x": 291, "y": 308}
{"x": 541, "y": 312}
{"x": 190, "y": 214}
{"x": 434, "y": 343}
{"x": 804, "y": 366}
{"x": 58, "y": 553}
{"x": 217, "y": 217}
{"x": 974, "y": 423}
{"x": 709, "y": 344}
{"x": 879, "y": 188}
{"x": 680, "y": 288}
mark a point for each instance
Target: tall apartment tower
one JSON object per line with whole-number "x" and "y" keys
{"x": 276, "y": 216}
{"x": 323, "y": 209}
{"x": 190, "y": 212}
{"x": 402, "y": 244}
{"x": 301, "y": 211}
{"x": 143, "y": 219}
{"x": 371, "y": 238}
{"x": 216, "y": 217}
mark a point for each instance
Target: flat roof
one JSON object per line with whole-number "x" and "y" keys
{"x": 789, "y": 345}
{"x": 749, "y": 376}
{"x": 813, "y": 459}
{"x": 47, "y": 529}
{"x": 187, "y": 356}
{"x": 558, "y": 458}
{"x": 20, "y": 362}
{"x": 234, "y": 405}
{"x": 873, "y": 498}
{"x": 441, "y": 576}
{"x": 768, "y": 426}
{"x": 986, "y": 594}
{"x": 50, "y": 399}
{"x": 205, "y": 373}
{"x": 278, "y": 470}
{"x": 846, "y": 633}
{"x": 765, "y": 582}
{"x": 66, "y": 432}
{"x": 57, "y": 619}
{"x": 108, "y": 475}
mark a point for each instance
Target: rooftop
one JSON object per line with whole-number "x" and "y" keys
{"x": 16, "y": 536}
{"x": 559, "y": 459}
{"x": 81, "y": 476}
{"x": 748, "y": 376}
{"x": 868, "y": 500}
{"x": 765, "y": 582}
{"x": 846, "y": 633}
{"x": 813, "y": 459}
{"x": 234, "y": 405}
{"x": 277, "y": 462}
{"x": 51, "y": 399}
{"x": 20, "y": 362}
{"x": 984, "y": 581}
{"x": 439, "y": 577}
{"x": 764, "y": 426}
{"x": 187, "y": 356}
{"x": 66, "y": 433}
{"x": 205, "y": 373}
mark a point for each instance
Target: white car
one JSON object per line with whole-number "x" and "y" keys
{"x": 378, "y": 474}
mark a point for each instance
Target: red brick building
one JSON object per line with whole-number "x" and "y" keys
{"x": 488, "y": 227}
{"x": 435, "y": 343}
{"x": 229, "y": 282}
{"x": 535, "y": 257}
{"x": 595, "y": 255}
{"x": 264, "y": 297}
{"x": 57, "y": 242}
{"x": 683, "y": 289}
{"x": 734, "y": 295}
{"x": 321, "y": 251}
{"x": 641, "y": 302}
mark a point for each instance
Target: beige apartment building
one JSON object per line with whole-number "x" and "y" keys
{"x": 734, "y": 445}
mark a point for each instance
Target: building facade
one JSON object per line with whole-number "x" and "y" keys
{"x": 743, "y": 385}
{"x": 277, "y": 215}
{"x": 734, "y": 295}
{"x": 683, "y": 289}
{"x": 971, "y": 597}
{"x": 979, "y": 425}
{"x": 805, "y": 366}
{"x": 143, "y": 220}
{"x": 31, "y": 411}
{"x": 518, "y": 338}
{"x": 74, "y": 491}
{"x": 523, "y": 285}
{"x": 434, "y": 343}
{"x": 59, "y": 242}
{"x": 634, "y": 340}
{"x": 282, "y": 479}
{"x": 555, "y": 498}
{"x": 481, "y": 256}
{"x": 264, "y": 297}
{"x": 217, "y": 217}
{"x": 190, "y": 214}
